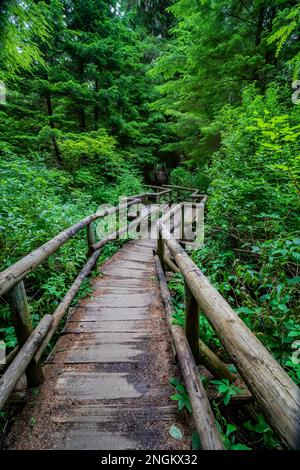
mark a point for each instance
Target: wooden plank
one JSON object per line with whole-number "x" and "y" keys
{"x": 106, "y": 326}
{"x": 123, "y": 273}
{"x": 92, "y": 439}
{"x": 112, "y": 413}
{"x": 118, "y": 337}
{"x": 97, "y": 352}
{"x": 128, "y": 301}
{"x": 95, "y": 386}
{"x": 106, "y": 314}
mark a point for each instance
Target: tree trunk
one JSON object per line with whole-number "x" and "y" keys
{"x": 96, "y": 110}
{"x": 81, "y": 110}
{"x": 52, "y": 125}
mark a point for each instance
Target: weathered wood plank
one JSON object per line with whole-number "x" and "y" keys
{"x": 106, "y": 326}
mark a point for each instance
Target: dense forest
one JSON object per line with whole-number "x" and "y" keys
{"x": 98, "y": 95}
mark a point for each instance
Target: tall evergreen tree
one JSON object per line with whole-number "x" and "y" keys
{"x": 217, "y": 49}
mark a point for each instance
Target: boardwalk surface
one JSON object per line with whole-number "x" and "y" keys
{"x": 107, "y": 380}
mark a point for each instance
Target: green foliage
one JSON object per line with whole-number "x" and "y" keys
{"x": 196, "y": 443}
{"x": 261, "y": 429}
{"x": 217, "y": 47}
{"x": 284, "y": 34}
{"x": 230, "y": 439}
{"x": 87, "y": 100}
{"x": 252, "y": 249}
{"x": 226, "y": 389}
{"x": 181, "y": 396}
{"x": 37, "y": 204}
{"x": 22, "y": 25}
{"x": 94, "y": 147}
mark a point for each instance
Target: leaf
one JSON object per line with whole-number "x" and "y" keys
{"x": 245, "y": 310}
{"x": 196, "y": 443}
{"x": 294, "y": 280}
{"x": 230, "y": 429}
{"x": 176, "y": 397}
{"x": 175, "y": 432}
{"x": 223, "y": 388}
{"x": 226, "y": 398}
{"x": 240, "y": 447}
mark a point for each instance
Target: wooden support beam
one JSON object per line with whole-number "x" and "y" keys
{"x": 161, "y": 251}
{"x": 91, "y": 237}
{"x": 213, "y": 364}
{"x": 64, "y": 305}
{"x": 175, "y": 186}
{"x": 209, "y": 435}
{"x": 192, "y": 322}
{"x": 17, "y": 368}
{"x": 172, "y": 266}
{"x": 9, "y": 358}
{"x": 23, "y": 328}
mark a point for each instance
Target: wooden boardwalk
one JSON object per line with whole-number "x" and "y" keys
{"x": 107, "y": 380}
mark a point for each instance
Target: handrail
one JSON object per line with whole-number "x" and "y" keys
{"x": 275, "y": 391}
{"x": 146, "y": 196}
{"x": 183, "y": 188}
{"x": 32, "y": 342}
{"x": 15, "y": 273}
{"x": 203, "y": 415}
{"x": 194, "y": 196}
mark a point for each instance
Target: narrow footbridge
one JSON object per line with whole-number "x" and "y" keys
{"x": 105, "y": 385}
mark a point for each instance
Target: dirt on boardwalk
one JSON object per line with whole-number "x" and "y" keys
{"x": 107, "y": 380}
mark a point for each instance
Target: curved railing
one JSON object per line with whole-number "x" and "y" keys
{"x": 277, "y": 394}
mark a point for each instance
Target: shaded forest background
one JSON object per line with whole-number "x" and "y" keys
{"x": 100, "y": 94}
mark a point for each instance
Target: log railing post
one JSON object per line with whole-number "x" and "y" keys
{"x": 161, "y": 250}
{"x": 91, "y": 238}
{"x": 192, "y": 322}
{"x": 23, "y": 327}
{"x": 182, "y": 223}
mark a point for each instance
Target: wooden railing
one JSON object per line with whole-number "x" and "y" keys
{"x": 277, "y": 394}
{"x": 32, "y": 342}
